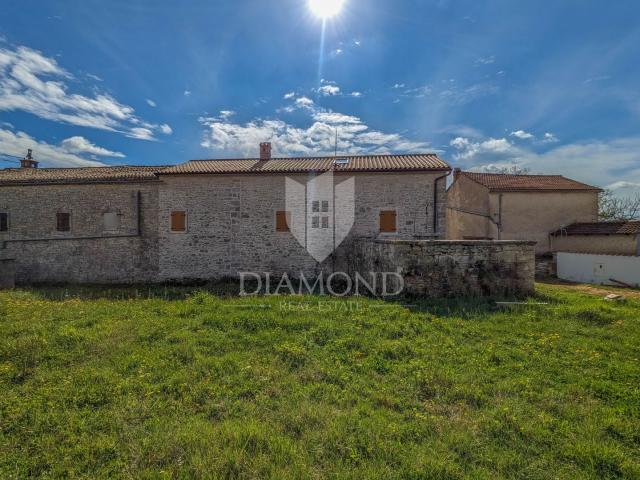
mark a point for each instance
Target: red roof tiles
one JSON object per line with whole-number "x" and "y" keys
{"x": 353, "y": 163}
{"x": 631, "y": 227}
{"x": 45, "y": 176}
{"x": 517, "y": 183}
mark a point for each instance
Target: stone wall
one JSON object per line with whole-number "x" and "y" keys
{"x": 87, "y": 253}
{"x": 444, "y": 268}
{"x": 231, "y": 221}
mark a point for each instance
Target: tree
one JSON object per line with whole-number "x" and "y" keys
{"x": 619, "y": 208}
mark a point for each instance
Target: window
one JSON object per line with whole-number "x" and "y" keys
{"x": 282, "y": 221}
{"x": 315, "y": 222}
{"x": 325, "y": 205}
{"x": 4, "y": 222}
{"x": 325, "y": 222}
{"x": 63, "y": 222}
{"x": 179, "y": 221}
{"x": 388, "y": 221}
{"x": 315, "y": 206}
{"x": 111, "y": 222}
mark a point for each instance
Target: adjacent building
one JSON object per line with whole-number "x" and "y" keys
{"x": 486, "y": 206}
{"x": 605, "y": 238}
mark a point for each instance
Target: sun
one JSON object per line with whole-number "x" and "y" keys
{"x": 326, "y": 8}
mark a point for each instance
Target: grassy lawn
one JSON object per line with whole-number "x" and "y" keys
{"x": 101, "y": 384}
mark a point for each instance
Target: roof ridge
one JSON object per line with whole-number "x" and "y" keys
{"x": 320, "y": 157}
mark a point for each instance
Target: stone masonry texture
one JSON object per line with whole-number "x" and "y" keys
{"x": 448, "y": 268}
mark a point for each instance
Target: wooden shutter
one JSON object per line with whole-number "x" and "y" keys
{"x": 178, "y": 221}
{"x": 282, "y": 221}
{"x": 388, "y": 221}
{"x": 63, "y": 222}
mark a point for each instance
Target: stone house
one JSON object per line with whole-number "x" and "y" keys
{"x": 605, "y": 238}
{"x": 488, "y": 206}
{"x": 208, "y": 219}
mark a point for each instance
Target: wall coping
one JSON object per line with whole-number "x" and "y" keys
{"x": 470, "y": 243}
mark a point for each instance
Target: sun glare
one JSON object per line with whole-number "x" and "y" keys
{"x": 325, "y": 8}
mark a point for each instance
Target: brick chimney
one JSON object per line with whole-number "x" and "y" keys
{"x": 28, "y": 161}
{"x": 265, "y": 151}
{"x": 456, "y": 173}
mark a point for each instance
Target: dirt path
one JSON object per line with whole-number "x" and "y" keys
{"x": 598, "y": 290}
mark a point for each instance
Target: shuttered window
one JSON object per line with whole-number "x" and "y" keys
{"x": 4, "y": 222}
{"x": 388, "y": 221}
{"x": 282, "y": 221}
{"x": 63, "y": 222}
{"x": 179, "y": 221}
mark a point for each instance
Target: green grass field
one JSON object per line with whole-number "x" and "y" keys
{"x": 113, "y": 384}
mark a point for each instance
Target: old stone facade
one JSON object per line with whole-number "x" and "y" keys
{"x": 114, "y": 224}
{"x": 93, "y": 250}
{"x": 231, "y": 221}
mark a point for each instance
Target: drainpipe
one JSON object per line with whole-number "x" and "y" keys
{"x": 139, "y": 207}
{"x": 435, "y": 203}
{"x": 499, "y": 224}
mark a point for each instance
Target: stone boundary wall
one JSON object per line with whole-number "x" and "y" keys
{"x": 443, "y": 268}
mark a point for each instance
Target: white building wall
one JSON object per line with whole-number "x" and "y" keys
{"x": 598, "y": 269}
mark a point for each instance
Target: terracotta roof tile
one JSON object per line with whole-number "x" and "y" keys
{"x": 631, "y": 227}
{"x": 46, "y": 176}
{"x": 363, "y": 163}
{"x": 515, "y": 183}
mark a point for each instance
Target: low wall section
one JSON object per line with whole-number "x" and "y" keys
{"x": 440, "y": 268}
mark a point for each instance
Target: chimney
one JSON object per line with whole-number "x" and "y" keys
{"x": 265, "y": 151}
{"x": 456, "y": 173}
{"x": 28, "y": 161}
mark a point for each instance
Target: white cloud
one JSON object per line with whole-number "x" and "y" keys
{"x": 140, "y": 133}
{"x": 335, "y": 118}
{"x": 356, "y": 94}
{"x": 304, "y": 102}
{"x": 467, "y": 149}
{"x": 521, "y": 134}
{"x": 34, "y": 83}
{"x": 486, "y": 60}
{"x": 166, "y": 129}
{"x": 419, "y": 92}
{"x": 622, "y": 185}
{"x": 316, "y": 138}
{"x": 80, "y": 145}
{"x": 329, "y": 90}
{"x": 151, "y": 103}
{"x": 398, "y": 86}
{"x": 226, "y": 114}
{"x": 187, "y": 93}
{"x": 549, "y": 138}
{"x": 289, "y": 96}
{"x": 338, "y": 51}
{"x": 67, "y": 154}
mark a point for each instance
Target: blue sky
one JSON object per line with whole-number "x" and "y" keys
{"x": 551, "y": 86}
